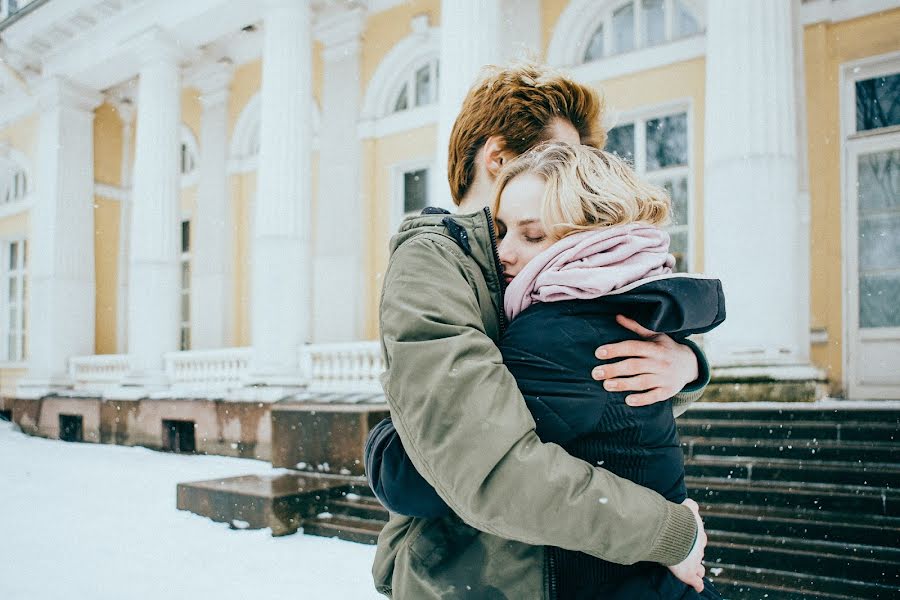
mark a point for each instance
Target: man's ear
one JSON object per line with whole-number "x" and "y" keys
{"x": 495, "y": 155}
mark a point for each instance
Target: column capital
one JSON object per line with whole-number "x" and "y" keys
{"x": 212, "y": 79}
{"x": 57, "y": 92}
{"x": 340, "y": 32}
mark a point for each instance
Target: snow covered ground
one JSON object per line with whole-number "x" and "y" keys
{"x": 99, "y": 521}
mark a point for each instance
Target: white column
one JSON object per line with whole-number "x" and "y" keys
{"x": 211, "y": 260}
{"x": 281, "y": 294}
{"x": 126, "y": 112}
{"x": 752, "y": 199}
{"x": 470, "y": 39}
{"x": 61, "y": 308}
{"x": 153, "y": 283}
{"x": 338, "y": 263}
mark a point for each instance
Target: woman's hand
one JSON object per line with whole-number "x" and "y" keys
{"x": 657, "y": 365}
{"x": 691, "y": 569}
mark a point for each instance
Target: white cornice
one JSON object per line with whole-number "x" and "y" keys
{"x": 111, "y": 192}
{"x": 340, "y": 32}
{"x": 830, "y": 11}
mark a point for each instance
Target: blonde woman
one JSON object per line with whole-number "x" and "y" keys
{"x": 580, "y": 242}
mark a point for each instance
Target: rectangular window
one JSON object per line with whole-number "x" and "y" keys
{"x": 185, "y": 285}
{"x": 878, "y": 102}
{"x": 658, "y": 149}
{"x": 415, "y": 191}
{"x": 16, "y": 295}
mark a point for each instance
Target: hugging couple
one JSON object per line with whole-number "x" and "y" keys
{"x": 536, "y": 358}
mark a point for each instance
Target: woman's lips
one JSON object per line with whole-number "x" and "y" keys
{"x": 507, "y": 279}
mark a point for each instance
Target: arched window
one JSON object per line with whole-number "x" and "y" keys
{"x": 418, "y": 89}
{"x": 627, "y": 26}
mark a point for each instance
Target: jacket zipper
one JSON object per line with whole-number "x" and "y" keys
{"x": 550, "y": 573}
{"x": 498, "y": 268}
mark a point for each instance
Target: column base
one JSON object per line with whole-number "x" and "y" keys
{"x": 767, "y": 383}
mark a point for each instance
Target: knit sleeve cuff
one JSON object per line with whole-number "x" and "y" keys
{"x": 677, "y": 536}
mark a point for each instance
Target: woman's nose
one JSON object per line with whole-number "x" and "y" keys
{"x": 505, "y": 252}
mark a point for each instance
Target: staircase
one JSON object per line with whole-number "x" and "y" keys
{"x": 349, "y": 512}
{"x": 800, "y": 502}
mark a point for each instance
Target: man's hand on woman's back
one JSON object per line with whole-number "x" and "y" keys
{"x": 691, "y": 569}
{"x": 656, "y": 365}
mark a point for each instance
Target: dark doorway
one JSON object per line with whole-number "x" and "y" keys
{"x": 5, "y": 415}
{"x": 71, "y": 428}
{"x": 178, "y": 436}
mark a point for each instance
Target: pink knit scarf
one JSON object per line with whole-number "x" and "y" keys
{"x": 590, "y": 264}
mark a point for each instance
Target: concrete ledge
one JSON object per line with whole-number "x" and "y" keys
{"x": 279, "y": 502}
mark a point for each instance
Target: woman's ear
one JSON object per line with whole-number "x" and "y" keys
{"x": 495, "y": 155}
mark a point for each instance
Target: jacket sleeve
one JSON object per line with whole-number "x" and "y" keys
{"x": 467, "y": 430}
{"x": 393, "y": 478}
{"x": 694, "y": 390}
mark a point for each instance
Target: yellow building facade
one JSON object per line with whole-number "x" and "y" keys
{"x": 654, "y": 81}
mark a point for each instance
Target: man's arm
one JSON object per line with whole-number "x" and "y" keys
{"x": 467, "y": 430}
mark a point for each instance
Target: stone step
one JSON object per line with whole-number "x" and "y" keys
{"x": 878, "y": 475}
{"x": 738, "y": 582}
{"x": 349, "y": 529}
{"x": 849, "y": 431}
{"x": 701, "y": 412}
{"x": 865, "y": 452}
{"x": 799, "y": 496}
{"x": 818, "y": 525}
{"x": 801, "y": 561}
{"x": 362, "y": 508}
{"x": 886, "y": 554}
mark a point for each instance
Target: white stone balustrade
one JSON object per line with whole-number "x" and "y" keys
{"x": 352, "y": 368}
{"x": 97, "y": 373}
{"x": 213, "y": 370}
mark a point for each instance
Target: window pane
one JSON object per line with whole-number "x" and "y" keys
{"x": 685, "y": 21}
{"x": 13, "y": 256}
{"x": 654, "y": 22}
{"x": 415, "y": 190}
{"x": 667, "y": 142}
{"x": 424, "y": 90}
{"x": 677, "y": 189}
{"x": 12, "y": 289}
{"x": 878, "y": 102}
{"x": 24, "y": 253}
{"x": 878, "y": 306}
{"x": 879, "y": 181}
{"x": 185, "y": 338}
{"x": 185, "y": 275}
{"x": 11, "y": 347}
{"x": 678, "y": 246}
{"x": 620, "y": 140}
{"x": 623, "y": 28}
{"x": 401, "y": 103}
{"x": 185, "y": 236}
{"x": 13, "y": 318}
{"x": 879, "y": 242}
{"x": 595, "y": 46}
{"x": 185, "y": 307}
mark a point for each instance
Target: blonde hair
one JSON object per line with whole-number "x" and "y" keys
{"x": 587, "y": 188}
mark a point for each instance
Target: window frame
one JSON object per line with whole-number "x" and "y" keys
{"x": 605, "y": 19}
{"x": 21, "y": 274}
{"x": 854, "y": 144}
{"x": 639, "y": 117}
{"x": 409, "y": 83}
{"x": 185, "y": 257}
{"x": 398, "y": 170}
